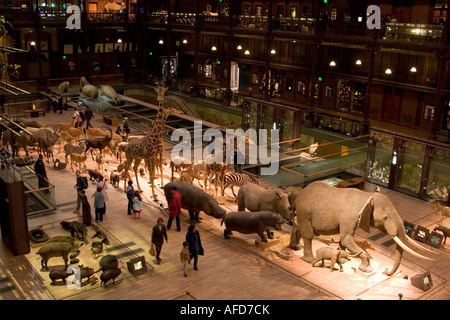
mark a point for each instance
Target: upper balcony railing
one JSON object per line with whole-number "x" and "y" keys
{"x": 416, "y": 33}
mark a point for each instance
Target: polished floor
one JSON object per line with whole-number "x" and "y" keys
{"x": 233, "y": 269}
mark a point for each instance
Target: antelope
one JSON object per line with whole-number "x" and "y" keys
{"x": 443, "y": 210}
{"x": 78, "y": 158}
{"x": 66, "y": 125}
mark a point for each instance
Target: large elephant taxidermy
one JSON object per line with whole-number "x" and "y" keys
{"x": 323, "y": 209}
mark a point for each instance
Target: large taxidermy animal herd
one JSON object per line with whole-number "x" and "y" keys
{"x": 259, "y": 209}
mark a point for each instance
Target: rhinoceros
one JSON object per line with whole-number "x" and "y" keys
{"x": 251, "y": 222}
{"x": 195, "y": 200}
{"x": 57, "y": 249}
{"x": 256, "y": 198}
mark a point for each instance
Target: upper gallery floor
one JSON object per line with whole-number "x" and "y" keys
{"x": 405, "y": 22}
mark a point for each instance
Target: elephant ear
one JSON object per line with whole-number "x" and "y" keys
{"x": 365, "y": 215}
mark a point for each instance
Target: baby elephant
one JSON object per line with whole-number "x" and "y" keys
{"x": 328, "y": 253}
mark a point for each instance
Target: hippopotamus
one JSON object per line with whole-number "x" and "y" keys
{"x": 90, "y": 91}
{"x": 251, "y": 222}
{"x": 256, "y": 198}
{"x": 108, "y": 275}
{"x": 195, "y": 200}
{"x": 57, "y": 249}
{"x": 333, "y": 254}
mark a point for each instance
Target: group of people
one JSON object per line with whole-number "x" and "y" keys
{"x": 79, "y": 117}
{"x": 100, "y": 197}
{"x": 191, "y": 247}
{"x": 125, "y": 131}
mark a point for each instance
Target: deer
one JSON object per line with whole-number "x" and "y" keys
{"x": 443, "y": 210}
{"x": 66, "y": 125}
{"x": 78, "y": 158}
{"x": 99, "y": 143}
{"x": 444, "y": 230}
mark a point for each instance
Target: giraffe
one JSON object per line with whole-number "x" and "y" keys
{"x": 148, "y": 148}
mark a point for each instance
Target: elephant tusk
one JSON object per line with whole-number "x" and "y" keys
{"x": 407, "y": 249}
{"x": 414, "y": 243}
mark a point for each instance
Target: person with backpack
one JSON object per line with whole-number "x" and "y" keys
{"x": 130, "y": 195}
{"x": 81, "y": 184}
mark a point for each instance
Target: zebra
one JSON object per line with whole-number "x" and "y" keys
{"x": 234, "y": 179}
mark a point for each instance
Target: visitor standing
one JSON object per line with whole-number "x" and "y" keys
{"x": 99, "y": 205}
{"x": 85, "y": 209}
{"x": 137, "y": 204}
{"x": 238, "y": 159}
{"x": 81, "y": 184}
{"x": 159, "y": 233}
{"x": 130, "y": 194}
{"x": 126, "y": 130}
{"x": 103, "y": 185}
{"x": 195, "y": 244}
{"x": 184, "y": 257}
{"x": 88, "y": 114}
{"x": 60, "y": 104}
{"x": 76, "y": 117}
{"x": 174, "y": 208}
{"x": 39, "y": 168}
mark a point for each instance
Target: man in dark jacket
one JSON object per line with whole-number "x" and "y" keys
{"x": 158, "y": 235}
{"x": 195, "y": 244}
{"x": 88, "y": 114}
{"x": 39, "y": 168}
{"x": 81, "y": 184}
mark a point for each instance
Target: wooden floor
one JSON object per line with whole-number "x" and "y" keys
{"x": 230, "y": 269}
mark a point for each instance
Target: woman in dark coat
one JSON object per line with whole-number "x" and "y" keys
{"x": 195, "y": 244}
{"x": 41, "y": 173}
{"x": 159, "y": 233}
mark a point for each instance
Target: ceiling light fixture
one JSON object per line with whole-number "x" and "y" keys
{"x": 388, "y": 71}
{"x": 358, "y": 62}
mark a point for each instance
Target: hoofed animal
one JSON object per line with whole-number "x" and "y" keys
{"x": 79, "y": 159}
{"x": 234, "y": 179}
{"x": 114, "y": 177}
{"x": 99, "y": 143}
{"x": 194, "y": 171}
{"x": 333, "y": 254}
{"x": 57, "y": 249}
{"x": 444, "y": 230}
{"x": 443, "y": 210}
{"x": 251, "y": 222}
{"x": 256, "y": 198}
{"x": 94, "y": 175}
{"x": 195, "y": 200}
{"x": 76, "y": 229}
{"x": 58, "y": 274}
{"x": 69, "y": 149}
{"x": 110, "y": 274}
